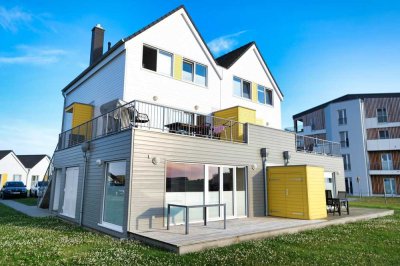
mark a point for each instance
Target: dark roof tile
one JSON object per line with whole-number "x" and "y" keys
{"x": 227, "y": 60}
{"x": 4, "y": 153}
{"x": 29, "y": 161}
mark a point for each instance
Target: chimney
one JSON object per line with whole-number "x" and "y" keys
{"x": 96, "y": 50}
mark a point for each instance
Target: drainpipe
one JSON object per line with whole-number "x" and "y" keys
{"x": 264, "y": 154}
{"x": 85, "y": 148}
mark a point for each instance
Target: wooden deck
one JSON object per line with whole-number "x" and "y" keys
{"x": 213, "y": 235}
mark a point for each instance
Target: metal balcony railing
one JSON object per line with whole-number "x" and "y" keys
{"x": 137, "y": 114}
{"x": 317, "y": 146}
{"x": 385, "y": 166}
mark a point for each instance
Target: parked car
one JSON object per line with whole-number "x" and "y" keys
{"x": 13, "y": 189}
{"x": 38, "y": 189}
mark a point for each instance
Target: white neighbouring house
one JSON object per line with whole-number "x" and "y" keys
{"x": 36, "y": 166}
{"x": 11, "y": 168}
{"x": 26, "y": 168}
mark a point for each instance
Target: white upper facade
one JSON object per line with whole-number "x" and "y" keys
{"x": 122, "y": 74}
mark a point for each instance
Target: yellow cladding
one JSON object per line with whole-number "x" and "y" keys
{"x": 81, "y": 113}
{"x": 178, "y": 67}
{"x": 254, "y": 92}
{"x": 296, "y": 192}
{"x": 237, "y": 114}
{"x": 3, "y": 179}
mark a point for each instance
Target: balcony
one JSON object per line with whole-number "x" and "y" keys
{"x": 382, "y": 121}
{"x": 385, "y": 168}
{"x": 383, "y": 144}
{"x": 137, "y": 114}
{"x": 317, "y": 146}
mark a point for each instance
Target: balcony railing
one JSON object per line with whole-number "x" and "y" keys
{"x": 385, "y": 166}
{"x": 137, "y": 114}
{"x": 317, "y": 146}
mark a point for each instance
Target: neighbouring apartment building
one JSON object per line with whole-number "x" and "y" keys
{"x": 156, "y": 119}
{"x": 368, "y": 129}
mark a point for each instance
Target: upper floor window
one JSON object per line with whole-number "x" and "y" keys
{"x": 344, "y": 139}
{"x": 382, "y": 115}
{"x": 241, "y": 88}
{"x": 194, "y": 72}
{"x": 264, "y": 95}
{"x": 346, "y": 162}
{"x": 157, "y": 60}
{"x": 387, "y": 162}
{"x": 384, "y": 134}
{"x": 342, "y": 117}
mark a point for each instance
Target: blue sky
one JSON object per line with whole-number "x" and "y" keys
{"x": 317, "y": 51}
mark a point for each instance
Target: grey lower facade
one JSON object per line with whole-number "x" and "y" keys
{"x": 147, "y": 153}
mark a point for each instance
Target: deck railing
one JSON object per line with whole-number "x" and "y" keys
{"x": 385, "y": 165}
{"x": 317, "y": 146}
{"x": 138, "y": 114}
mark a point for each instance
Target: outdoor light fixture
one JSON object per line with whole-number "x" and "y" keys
{"x": 286, "y": 157}
{"x": 155, "y": 98}
{"x": 254, "y": 166}
{"x": 155, "y": 160}
{"x": 196, "y": 107}
{"x": 99, "y": 162}
{"x": 85, "y": 146}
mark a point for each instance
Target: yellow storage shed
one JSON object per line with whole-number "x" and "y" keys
{"x": 296, "y": 191}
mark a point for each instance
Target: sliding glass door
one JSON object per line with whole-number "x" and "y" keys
{"x": 197, "y": 184}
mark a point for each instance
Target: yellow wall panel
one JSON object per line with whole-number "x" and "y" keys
{"x": 254, "y": 92}
{"x": 178, "y": 64}
{"x": 3, "y": 179}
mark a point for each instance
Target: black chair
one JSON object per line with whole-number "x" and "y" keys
{"x": 343, "y": 201}
{"x": 332, "y": 203}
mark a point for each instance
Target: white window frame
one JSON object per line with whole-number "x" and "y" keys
{"x": 342, "y": 117}
{"x": 114, "y": 227}
{"x": 194, "y": 64}
{"x": 387, "y": 135}
{"x": 344, "y": 143}
{"x": 386, "y": 114}
{"x": 241, "y": 88}
{"x": 158, "y": 52}
{"x": 265, "y": 90}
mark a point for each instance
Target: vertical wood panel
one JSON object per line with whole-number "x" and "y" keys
{"x": 392, "y": 106}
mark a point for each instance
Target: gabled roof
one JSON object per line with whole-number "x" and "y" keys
{"x": 227, "y": 60}
{"x": 348, "y": 97}
{"x": 122, "y": 41}
{"x": 4, "y": 153}
{"x": 29, "y": 161}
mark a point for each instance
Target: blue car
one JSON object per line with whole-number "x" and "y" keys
{"x": 13, "y": 189}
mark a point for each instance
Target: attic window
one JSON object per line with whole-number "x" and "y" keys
{"x": 241, "y": 88}
{"x": 157, "y": 60}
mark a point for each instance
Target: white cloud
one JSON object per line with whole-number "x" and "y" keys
{"x": 11, "y": 19}
{"x": 224, "y": 43}
{"x": 34, "y": 55}
{"x": 25, "y": 137}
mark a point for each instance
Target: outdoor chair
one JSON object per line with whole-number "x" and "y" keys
{"x": 343, "y": 201}
{"x": 332, "y": 204}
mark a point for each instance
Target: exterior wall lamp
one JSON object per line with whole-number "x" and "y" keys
{"x": 286, "y": 157}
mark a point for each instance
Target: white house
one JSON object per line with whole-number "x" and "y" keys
{"x": 11, "y": 168}
{"x": 36, "y": 166}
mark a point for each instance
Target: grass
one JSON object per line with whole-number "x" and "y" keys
{"x": 27, "y": 201}
{"x": 25, "y": 240}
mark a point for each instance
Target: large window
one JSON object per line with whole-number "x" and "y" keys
{"x": 346, "y": 162}
{"x": 194, "y": 72}
{"x": 384, "y": 134}
{"x": 264, "y": 95}
{"x": 157, "y": 60}
{"x": 381, "y": 115}
{"x": 387, "y": 162}
{"x": 114, "y": 194}
{"x": 241, "y": 88}
{"x": 342, "y": 117}
{"x": 344, "y": 139}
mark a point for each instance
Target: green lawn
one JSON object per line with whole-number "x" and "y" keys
{"x": 25, "y": 240}
{"x": 27, "y": 201}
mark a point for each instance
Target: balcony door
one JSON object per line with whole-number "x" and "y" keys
{"x": 390, "y": 186}
{"x": 387, "y": 163}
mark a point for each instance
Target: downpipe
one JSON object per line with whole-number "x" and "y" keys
{"x": 85, "y": 156}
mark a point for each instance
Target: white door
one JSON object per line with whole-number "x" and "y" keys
{"x": 57, "y": 188}
{"x": 329, "y": 182}
{"x": 70, "y": 192}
